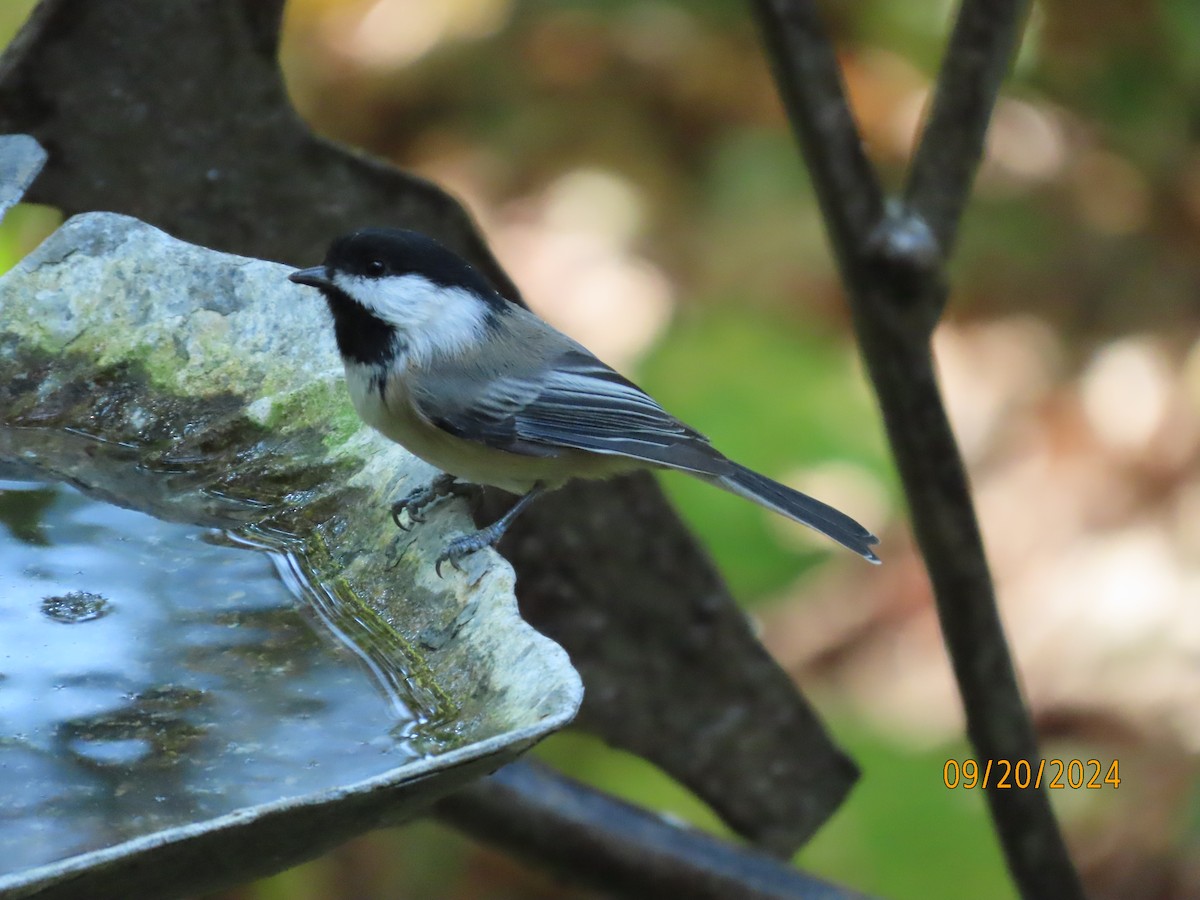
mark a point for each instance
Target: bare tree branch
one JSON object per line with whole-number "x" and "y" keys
{"x": 984, "y": 41}
{"x": 893, "y": 267}
{"x": 810, "y": 80}
{"x": 589, "y": 837}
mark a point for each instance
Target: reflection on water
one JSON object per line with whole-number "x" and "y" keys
{"x": 155, "y": 674}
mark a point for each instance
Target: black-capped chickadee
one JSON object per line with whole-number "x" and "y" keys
{"x": 487, "y": 392}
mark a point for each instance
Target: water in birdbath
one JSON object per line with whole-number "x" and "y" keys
{"x": 154, "y": 674}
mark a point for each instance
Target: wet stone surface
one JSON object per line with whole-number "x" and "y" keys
{"x": 153, "y": 674}
{"x": 210, "y": 712}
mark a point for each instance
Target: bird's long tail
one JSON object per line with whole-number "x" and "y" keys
{"x": 799, "y": 507}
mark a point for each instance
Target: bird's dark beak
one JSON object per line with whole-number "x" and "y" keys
{"x": 314, "y": 277}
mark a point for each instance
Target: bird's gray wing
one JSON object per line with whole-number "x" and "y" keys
{"x": 574, "y": 402}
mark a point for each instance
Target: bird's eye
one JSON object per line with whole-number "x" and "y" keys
{"x": 375, "y": 268}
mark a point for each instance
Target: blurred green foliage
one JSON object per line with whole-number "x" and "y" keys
{"x": 764, "y": 415}
{"x": 25, "y": 226}
{"x": 626, "y": 776}
{"x": 900, "y": 823}
{"x": 903, "y": 834}
{"x": 12, "y": 15}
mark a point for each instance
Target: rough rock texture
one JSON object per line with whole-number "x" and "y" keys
{"x": 21, "y": 158}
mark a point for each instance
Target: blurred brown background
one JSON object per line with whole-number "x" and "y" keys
{"x": 630, "y": 165}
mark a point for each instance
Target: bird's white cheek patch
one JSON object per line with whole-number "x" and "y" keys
{"x": 429, "y": 318}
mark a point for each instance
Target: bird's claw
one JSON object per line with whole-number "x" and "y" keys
{"x": 448, "y": 555}
{"x": 414, "y": 518}
{"x": 417, "y": 500}
{"x": 460, "y": 548}
{"x": 445, "y": 557}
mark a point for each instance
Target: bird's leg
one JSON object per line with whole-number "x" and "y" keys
{"x": 442, "y": 486}
{"x": 466, "y": 544}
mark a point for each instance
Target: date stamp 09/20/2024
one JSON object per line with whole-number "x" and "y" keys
{"x": 1055, "y": 774}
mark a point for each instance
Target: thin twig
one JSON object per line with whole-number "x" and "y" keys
{"x": 894, "y": 269}
{"x": 986, "y": 35}
{"x": 589, "y": 837}
{"x": 810, "y": 79}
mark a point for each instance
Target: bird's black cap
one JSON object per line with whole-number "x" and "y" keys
{"x": 379, "y": 253}
{"x": 384, "y": 252}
